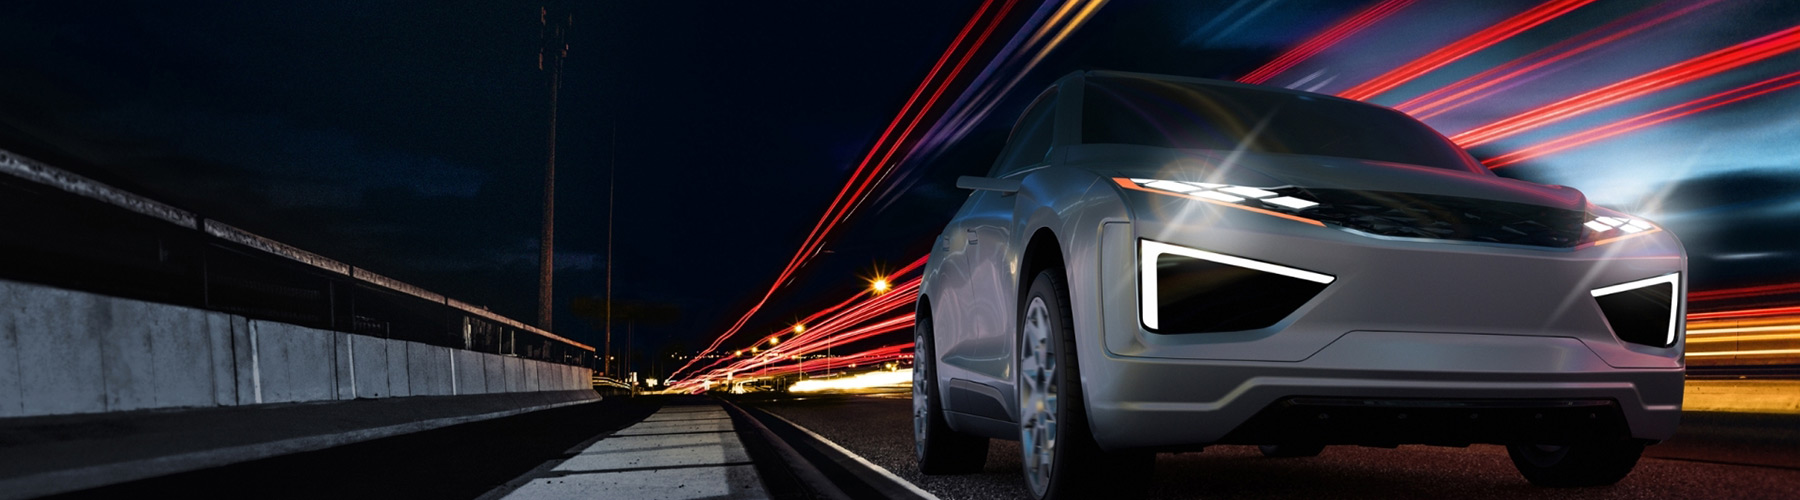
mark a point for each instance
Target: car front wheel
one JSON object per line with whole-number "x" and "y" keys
{"x": 1588, "y": 464}
{"x": 1061, "y": 458}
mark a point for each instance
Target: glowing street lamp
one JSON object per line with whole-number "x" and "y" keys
{"x": 799, "y": 328}
{"x": 879, "y": 285}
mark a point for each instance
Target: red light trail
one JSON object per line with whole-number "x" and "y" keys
{"x": 1746, "y": 313}
{"x": 1462, "y": 91}
{"x": 1745, "y": 292}
{"x": 861, "y": 317}
{"x": 1646, "y": 120}
{"x": 1325, "y": 39}
{"x": 1673, "y": 75}
{"x": 1457, "y": 50}
{"x": 864, "y": 173}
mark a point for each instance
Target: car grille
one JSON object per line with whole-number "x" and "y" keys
{"x": 1444, "y": 217}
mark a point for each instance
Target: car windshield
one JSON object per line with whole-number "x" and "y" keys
{"x": 1147, "y": 112}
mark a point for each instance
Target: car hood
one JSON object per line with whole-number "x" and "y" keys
{"x": 1316, "y": 172}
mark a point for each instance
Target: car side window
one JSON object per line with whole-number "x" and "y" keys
{"x": 1031, "y": 137}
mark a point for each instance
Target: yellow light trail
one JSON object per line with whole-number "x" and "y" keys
{"x": 1754, "y": 352}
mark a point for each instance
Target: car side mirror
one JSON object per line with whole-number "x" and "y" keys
{"x": 988, "y": 184}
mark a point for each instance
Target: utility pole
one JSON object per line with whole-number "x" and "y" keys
{"x": 628, "y": 355}
{"x": 612, "y": 174}
{"x": 550, "y": 58}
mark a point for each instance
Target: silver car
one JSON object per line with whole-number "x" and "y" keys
{"x": 1159, "y": 263}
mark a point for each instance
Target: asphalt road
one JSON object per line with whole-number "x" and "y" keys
{"x": 1709, "y": 459}
{"x": 459, "y": 461}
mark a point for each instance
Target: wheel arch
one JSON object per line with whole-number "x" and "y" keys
{"x": 1042, "y": 251}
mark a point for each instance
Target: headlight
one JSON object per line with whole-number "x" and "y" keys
{"x": 1188, "y": 290}
{"x": 1607, "y": 226}
{"x": 1248, "y": 198}
{"x": 1643, "y": 311}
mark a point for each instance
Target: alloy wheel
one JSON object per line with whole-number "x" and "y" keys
{"x": 921, "y": 404}
{"x": 1037, "y": 394}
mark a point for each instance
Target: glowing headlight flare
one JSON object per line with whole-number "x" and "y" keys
{"x": 1615, "y": 229}
{"x": 1141, "y": 185}
{"x": 1179, "y": 187}
{"x": 1674, "y": 282}
{"x": 1248, "y": 192}
{"x": 1219, "y": 196}
{"x": 1290, "y": 202}
{"x": 1153, "y": 249}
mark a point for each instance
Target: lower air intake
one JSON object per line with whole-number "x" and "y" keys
{"x": 1641, "y": 315}
{"x": 1200, "y": 296}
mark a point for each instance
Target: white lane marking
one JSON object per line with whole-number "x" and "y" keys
{"x": 859, "y": 459}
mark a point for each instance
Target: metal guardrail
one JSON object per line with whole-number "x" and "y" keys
{"x": 62, "y": 229}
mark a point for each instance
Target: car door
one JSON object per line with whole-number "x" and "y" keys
{"x": 987, "y": 312}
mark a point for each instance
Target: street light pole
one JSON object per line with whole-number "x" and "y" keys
{"x": 550, "y": 58}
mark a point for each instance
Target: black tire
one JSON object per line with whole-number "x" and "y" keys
{"x": 1080, "y": 469}
{"x": 939, "y": 449}
{"x": 1590, "y": 464}
{"x": 1291, "y": 450}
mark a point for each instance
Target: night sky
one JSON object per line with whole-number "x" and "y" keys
{"x": 409, "y": 137}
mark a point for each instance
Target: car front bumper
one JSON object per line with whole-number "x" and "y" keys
{"x": 1166, "y": 403}
{"x": 1439, "y": 324}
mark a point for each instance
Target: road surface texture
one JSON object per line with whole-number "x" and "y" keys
{"x": 689, "y": 449}
{"x": 460, "y": 461}
{"x": 1713, "y": 465}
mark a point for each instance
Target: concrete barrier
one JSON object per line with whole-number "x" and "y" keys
{"x": 471, "y": 372}
{"x": 12, "y": 401}
{"x": 67, "y": 352}
{"x": 428, "y": 369}
{"x": 399, "y": 375}
{"x": 59, "y": 350}
{"x": 515, "y": 375}
{"x": 295, "y": 363}
{"x": 494, "y": 367}
{"x": 369, "y": 366}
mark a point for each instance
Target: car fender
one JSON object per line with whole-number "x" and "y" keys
{"x": 1074, "y": 205}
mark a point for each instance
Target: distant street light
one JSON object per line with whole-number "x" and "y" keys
{"x": 879, "y": 286}
{"x": 799, "y": 328}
